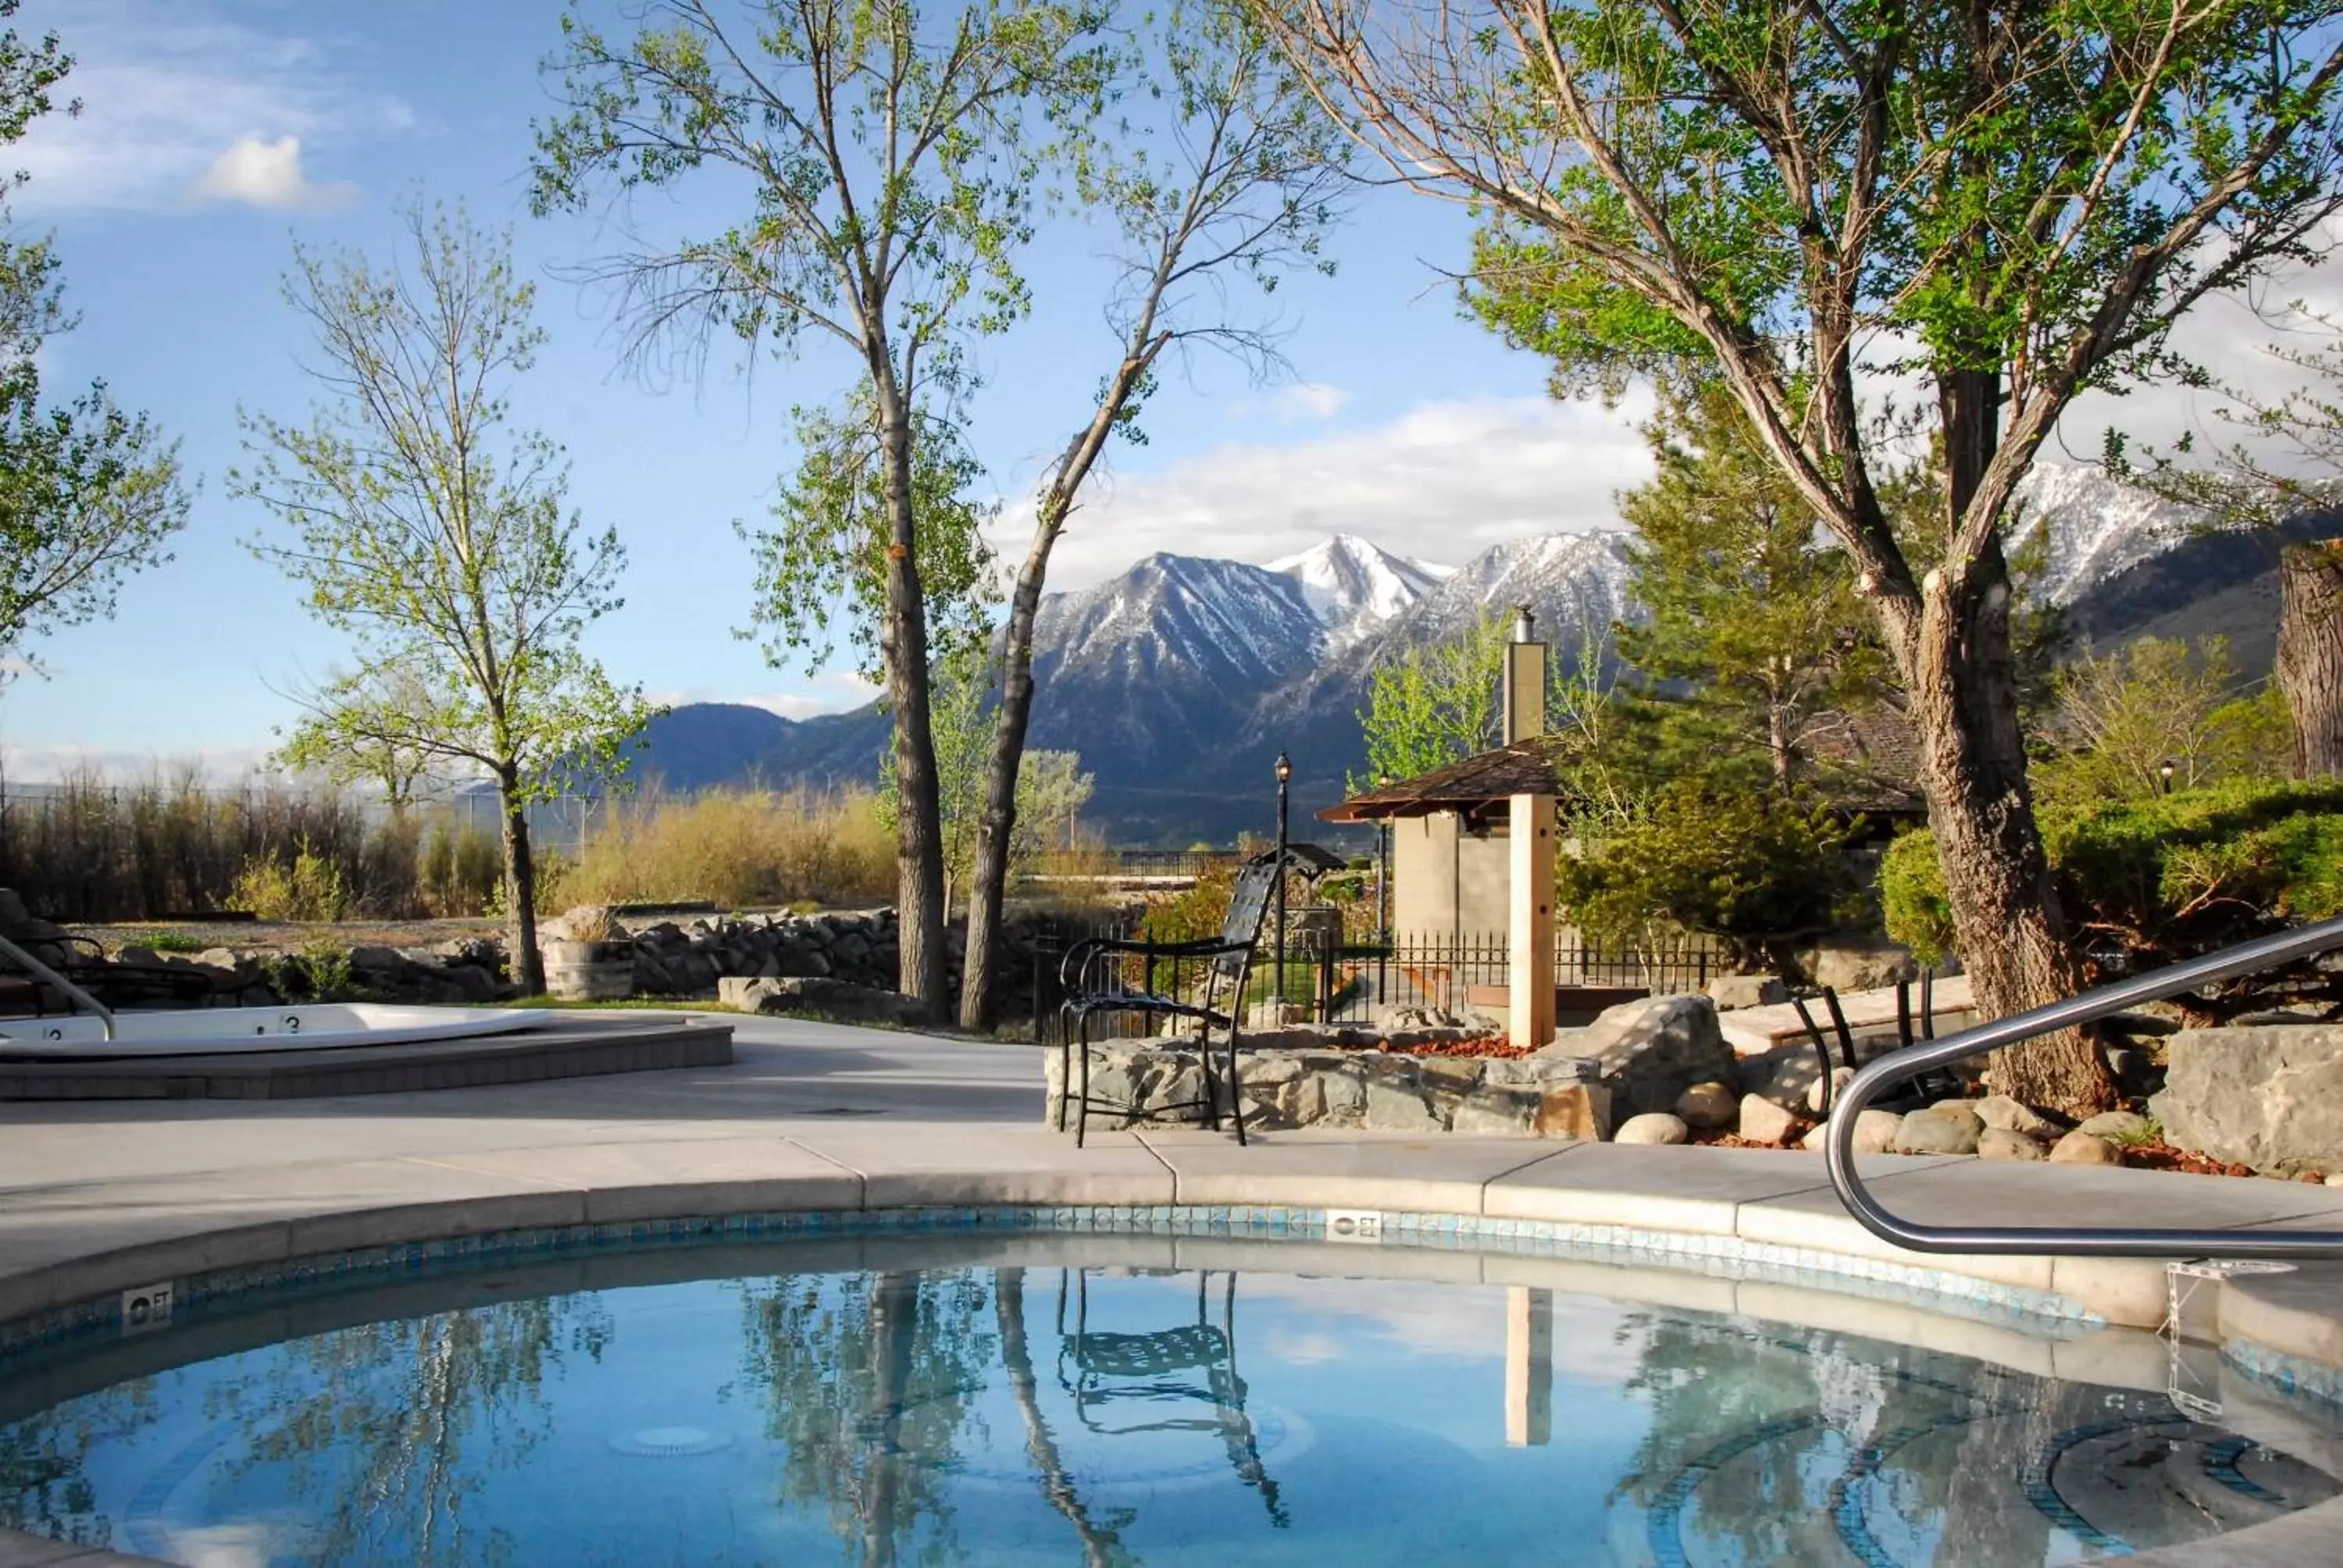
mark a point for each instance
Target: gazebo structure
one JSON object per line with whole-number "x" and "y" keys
{"x": 1492, "y": 820}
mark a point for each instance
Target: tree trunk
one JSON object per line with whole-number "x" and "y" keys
{"x": 996, "y": 826}
{"x": 520, "y": 885}
{"x": 1962, "y": 686}
{"x": 2310, "y": 655}
{"x": 903, "y": 646}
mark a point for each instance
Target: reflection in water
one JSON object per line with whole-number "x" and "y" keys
{"x": 911, "y": 1414}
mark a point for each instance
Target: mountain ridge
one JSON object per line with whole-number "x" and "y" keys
{"x": 1180, "y": 680}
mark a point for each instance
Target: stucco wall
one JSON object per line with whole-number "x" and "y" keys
{"x": 1444, "y": 882}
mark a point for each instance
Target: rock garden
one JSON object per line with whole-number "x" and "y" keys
{"x": 2265, "y": 1100}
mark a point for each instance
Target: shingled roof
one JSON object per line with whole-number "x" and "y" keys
{"x": 1524, "y": 768}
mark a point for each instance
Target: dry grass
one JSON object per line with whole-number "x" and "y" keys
{"x": 100, "y": 849}
{"x": 738, "y": 849}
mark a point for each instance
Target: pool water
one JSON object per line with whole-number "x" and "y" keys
{"x": 921, "y": 1409}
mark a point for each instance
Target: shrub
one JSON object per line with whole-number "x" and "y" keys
{"x": 1748, "y": 868}
{"x": 459, "y": 871}
{"x": 737, "y": 848}
{"x": 309, "y": 886}
{"x": 2162, "y": 878}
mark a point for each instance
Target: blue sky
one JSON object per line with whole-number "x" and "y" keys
{"x": 217, "y": 132}
{"x": 176, "y": 198}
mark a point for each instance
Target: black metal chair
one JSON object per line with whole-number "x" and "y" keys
{"x": 1095, "y": 972}
{"x": 1146, "y": 1367}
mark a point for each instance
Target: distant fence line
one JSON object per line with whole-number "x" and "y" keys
{"x": 1354, "y": 982}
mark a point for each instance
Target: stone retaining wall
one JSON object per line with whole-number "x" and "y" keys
{"x": 1548, "y": 1096}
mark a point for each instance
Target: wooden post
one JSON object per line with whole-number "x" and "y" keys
{"x": 1530, "y": 923}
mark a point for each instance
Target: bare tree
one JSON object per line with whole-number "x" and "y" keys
{"x": 2011, "y": 204}
{"x": 1244, "y": 187}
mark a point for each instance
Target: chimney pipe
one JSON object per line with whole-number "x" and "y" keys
{"x": 1524, "y": 697}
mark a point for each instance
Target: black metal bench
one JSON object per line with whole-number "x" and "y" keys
{"x": 1095, "y": 973}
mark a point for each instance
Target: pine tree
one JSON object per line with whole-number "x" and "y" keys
{"x": 1755, "y": 643}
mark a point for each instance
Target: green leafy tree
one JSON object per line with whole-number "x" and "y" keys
{"x": 88, "y": 494}
{"x": 1051, "y": 788}
{"x": 2156, "y": 715}
{"x": 890, "y": 159}
{"x": 1754, "y": 869}
{"x": 1224, "y": 177}
{"x": 434, "y": 535}
{"x": 2022, "y": 201}
{"x": 1435, "y": 704}
{"x": 1754, "y": 644}
{"x": 824, "y": 560}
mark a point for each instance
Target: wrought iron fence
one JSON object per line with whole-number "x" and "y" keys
{"x": 1354, "y": 982}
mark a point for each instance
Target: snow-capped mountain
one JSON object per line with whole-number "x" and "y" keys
{"x": 2099, "y": 526}
{"x": 1573, "y": 584}
{"x": 1353, "y": 586}
{"x": 1180, "y": 680}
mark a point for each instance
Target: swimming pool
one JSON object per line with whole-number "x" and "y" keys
{"x": 911, "y": 1398}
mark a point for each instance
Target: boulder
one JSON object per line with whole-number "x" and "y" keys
{"x": 1964, "y": 1111}
{"x": 1875, "y": 1130}
{"x": 469, "y": 984}
{"x": 2001, "y": 1112}
{"x": 1393, "y": 1106}
{"x": 1498, "y": 1113}
{"x": 1574, "y": 1110}
{"x": 748, "y": 995}
{"x": 2117, "y": 1126}
{"x": 2269, "y": 1098}
{"x": 1840, "y": 1078}
{"x": 1763, "y": 1122}
{"x": 1706, "y": 1107}
{"x": 2083, "y": 1149}
{"x": 2001, "y": 1143}
{"x": 833, "y": 998}
{"x": 1731, "y": 991}
{"x": 584, "y": 923}
{"x": 1933, "y": 1132}
{"x": 1651, "y": 1127}
{"x": 1651, "y": 1050}
{"x": 376, "y": 960}
{"x": 1858, "y": 963}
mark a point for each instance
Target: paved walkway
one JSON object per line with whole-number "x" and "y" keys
{"x": 99, "y": 1197}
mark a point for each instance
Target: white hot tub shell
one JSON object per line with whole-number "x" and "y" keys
{"x": 237, "y": 1030}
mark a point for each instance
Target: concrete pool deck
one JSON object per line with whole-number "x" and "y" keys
{"x": 100, "y": 1197}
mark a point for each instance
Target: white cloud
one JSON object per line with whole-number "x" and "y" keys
{"x": 267, "y": 174}
{"x": 1443, "y": 482}
{"x": 163, "y": 92}
{"x": 1295, "y": 403}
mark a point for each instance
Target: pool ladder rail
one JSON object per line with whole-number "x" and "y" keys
{"x": 41, "y": 971}
{"x": 1838, "y": 1147}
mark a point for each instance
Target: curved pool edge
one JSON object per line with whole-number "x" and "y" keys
{"x": 2297, "y": 1317}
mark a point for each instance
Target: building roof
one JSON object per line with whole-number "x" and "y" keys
{"x": 1524, "y": 768}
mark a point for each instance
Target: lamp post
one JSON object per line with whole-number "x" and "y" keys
{"x": 2164, "y": 774}
{"x": 1284, "y": 774}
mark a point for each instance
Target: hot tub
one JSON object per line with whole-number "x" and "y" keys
{"x": 238, "y": 1030}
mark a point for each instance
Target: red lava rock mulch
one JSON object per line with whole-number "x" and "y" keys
{"x": 1489, "y": 1045}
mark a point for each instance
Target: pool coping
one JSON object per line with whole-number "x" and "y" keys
{"x": 73, "y": 1231}
{"x": 1836, "y": 1257}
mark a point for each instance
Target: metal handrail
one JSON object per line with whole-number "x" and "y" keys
{"x": 2087, "y": 1007}
{"x": 42, "y": 972}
